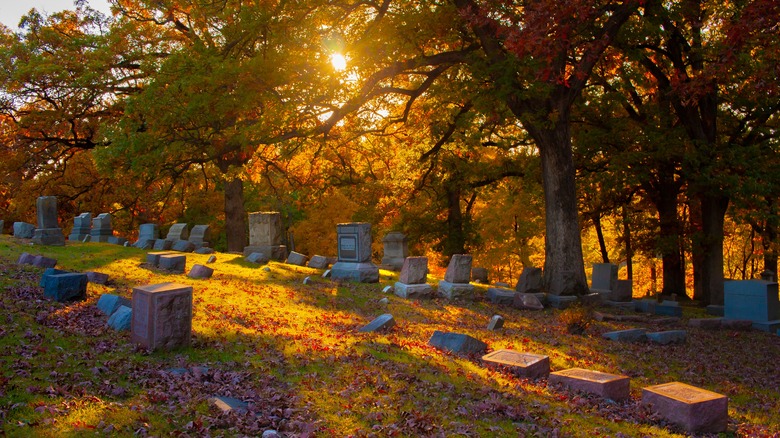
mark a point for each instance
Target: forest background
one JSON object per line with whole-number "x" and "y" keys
{"x": 527, "y": 133}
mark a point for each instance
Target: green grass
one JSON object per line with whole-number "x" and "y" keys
{"x": 293, "y": 352}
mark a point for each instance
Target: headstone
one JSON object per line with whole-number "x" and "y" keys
{"x": 756, "y": 300}
{"x": 604, "y": 279}
{"x": 387, "y": 289}
{"x": 307, "y": 280}
{"x": 121, "y": 319}
{"x": 479, "y": 275}
{"x": 623, "y": 291}
{"x": 354, "y": 245}
{"x": 611, "y": 386}
{"x": 183, "y": 246}
{"x": 44, "y": 262}
{"x": 82, "y": 225}
{"x": 200, "y": 271}
{"x": 257, "y": 257}
{"x": 211, "y": 259}
{"x": 200, "y": 236}
{"x": 668, "y": 337}
{"x": 25, "y": 259}
{"x": 86, "y": 239}
{"x": 530, "y": 281}
{"x": 177, "y": 232}
{"x": 456, "y": 343}
{"x": 101, "y": 228}
{"x": 526, "y": 301}
{"x": 668, "y": 308}
{"x": 326, "y": 274}
{"x": 64, "y": 287}
{"x": 229, "y": 404}
{"x": 51, "y": 271}
{"x": 162, "y": 316}
{"x": 108, "y": 303}
{"x": 629, "y": 335}
{"x": 296, "y": 258}
{"x": 162, "y": 245}
{"x": 382, "y": 322}
{"x": 456, "y": 280}
{"x": 694, "y": 409}
{"x": 318, "y": 262}
{"x": 265, "y": 235}
{"x": 147, "y": 236}
{"x": 414, "y": 270}
{"x": 396, "y": 250}
{"x": 23, "y": 230}
{"x": 153, "y": 258}
{"x": 495, "y": 323}
{"x": 591, "y": 299}
{"x": 500, "y": 296}
{"x": 204, "y": 250}
{"x": 528, "y": 365}
{"x": 97, "y": 277}
{"x": 48, "y": 231}
{"x": 384, "y": 300}
{"x": 173, "y": 262}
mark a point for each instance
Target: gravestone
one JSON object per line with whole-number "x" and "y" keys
{"x": 265, "y": 235}
{"x": 200, "y": 271}
{"x": 756, "y": 300}
{"x": 525, "y": 301}
{"x": 528, "y": 365}
{"x": 82, "y": 225}
{"x": 396, "y": 250}
{"x": 628, "y": 335}
{"x": 23, "y": 230}
{"x": 101, "y": 228}
{"x": 456, "y": 343}
{"x": 412, "y": 280}
{"x": 229, "y": 404}
{"x": 117, "y": 240}
{"x": 211, "y": 259}
{"x": 204, "y": 250}
{"x": 257, "y": 257}
{"x": 694, "y": 409}
{"x": 200, "y": 236}
{"x": 318, "y": 262}
{"x": 500, "y": 296}
{"x": 479, "y": 275}
{"x": 64, "y": 287}
{"x": 530, "y": 281}
{"x": 296, "y": 258}
{"x": 121, "y": 319}
{"x": 97, "y": 277}
{"x": 25, "y": 259}
{"x": 162, "y": 316}
{"x": 354, "y": 246}
{"x": 603, "y": 279}
{"x": 495, "y": 323}
{"x": 147, "y": 236}
{"x": 153, "y": 258}
{"x": 622, "y": 295}
{"x": 108, "y": 303}
{"x": 183, "y": 246}
{"x": 44, "y": 262}
{"x": 162, "y": 245}
{"x": 177, "y": 232}
{"x": 611, "y": 386}
{"x": 382, "y": 322}
{"x": 456, "y": 280}
{"x": 668, "y": 308}
{"x": 48, "y": 231}
{"x": 706, "y": 323}
{"x": 173, "y": 262}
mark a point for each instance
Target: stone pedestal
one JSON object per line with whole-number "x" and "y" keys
{"x": 64, "y": 287}
{"x": 101, "y": 228}
{"x": 265, "y": 235}
{"x": 611, "y": 386}
{"x": 82, "y": 225}
{"x": 528, "y": 365}
{"x": 456, "y": 291}
{"x": 359, "y": 272}
{"x": 413, "y": 291}
{"x": 755, "y": 300}
{"x": 162, "y": 316}
{"x": 694, "y": 409}
{"x": 147, "y": 236}
{"x": 354, "y": 246}
{"x": 396, "y": 250}
{"x": 48, "y": 231}
{"x": 502, "y": 296}
{"x": 173, "y": 262}
{"x": 48, "y": 236}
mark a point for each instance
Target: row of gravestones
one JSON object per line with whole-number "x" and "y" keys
{"x": 179, "y": 238}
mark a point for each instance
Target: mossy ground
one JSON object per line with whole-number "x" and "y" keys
{"x": 293, "y": 352}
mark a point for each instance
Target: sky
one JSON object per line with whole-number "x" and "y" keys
{"x": 12, "y": 10}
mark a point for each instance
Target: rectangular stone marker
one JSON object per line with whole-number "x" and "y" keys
{"x": 318, "y": 262}
{"x": 354, "y": 246}
{"x": 71, "y": 286}
{"x": 183, "y": 246}
{"x": 108, "y": 303}
{"x": 414, "y": 270}
{"x": 495, "y": 323}
{"x": 459, "y": 269}
{"x": 265, "y": 235}
{"x": 162, "y": 316}
{"x": 162, "y": 245}
{"x": 200, "y": 271}
{"x": 668, "y": 308}
{"x": 528, "y": 365}
{"x": 456, "y": 291}
{"x": 756, "y": 300}
{"x": 381, "y": 322}
{"x": 48, "y": 231}
{"x": 23, "y": 230}
{"x": 296, "y": 258}
{"x": 173, "y": 262}
{"x": 147, "y": 236}
{"x": 101, "y": 228}
{"x": 396, "y": 250}
{"x": 200, "y": 235}
{"x": 456, "y": 343}
{"x": 82, "y": 225}
{"x": 153, "y": 258}
{"x": 668, "y": 337}
{"x": 498, "y": 295}
{"x": 413, "y": 291}
{"x": 694, "y": 409}
{"x": 604, "y": 278}
{"x": 623, "y": 291}
{"x": 611, "y": 386}
{"x": 178, "y": 232}
{"x": 530, "y": 281}
{"x": 629, "y": 335}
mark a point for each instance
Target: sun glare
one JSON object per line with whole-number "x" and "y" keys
{"x": 338, "y": 61}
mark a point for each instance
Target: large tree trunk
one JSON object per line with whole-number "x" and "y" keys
{"x": 455, "y": 237}
{"x": 564, "y": 270}
{"x": 629, "y": 244}
{"x": 669, "y": 244}
{"x": 713, "y": 214}
{"x": 235, "y": 215}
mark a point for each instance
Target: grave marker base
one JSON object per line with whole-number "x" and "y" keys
{"x": 611, "y": 386}
{"x": 359, "y": 272}
{"x": 692, "y": 408}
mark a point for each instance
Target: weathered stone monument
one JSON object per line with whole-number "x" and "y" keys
{"x": 528, "y": 365}
{"x": 412, "y": 280}
{"x": 456, "y": 280}
{"x": 604, "y": 279}
{"x": 147, "y": 236}
{"x": 48, "y": 231}
{"x": 318, "y": 262}
{"x": 101, "y": 228}
{"x": 23, "y": 230}
{"x": 297, "y": 259}
{"x": 82, "y": 225}
{"x": 354, "y": 246}
{"x": 755, "y": 300}
{"x": 530, "y": 281}
{"x": 64, "y": 286}
{"x": 479, "y": 275}
{"x": 162, "y": 316}
{"x": 395, "y": 250}
{"x": 456, "y": 343}
{"x": 200, "y": 236}
{"x": 382, "y": 322}
{"x": 177, "y": 232}
{"x": 611, "y": 386}
{"x": 265, "y": 235}
{"x": 694, "y": 409}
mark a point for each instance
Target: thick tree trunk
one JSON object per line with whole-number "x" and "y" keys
{"x": 455, "y": 238}
{"x": 713, "y": 214}
{"x": 235, "y": 215}
{"x": 669, "y": 244}
{"x": 564, "y": 270}
{"x": 769, "y": 238}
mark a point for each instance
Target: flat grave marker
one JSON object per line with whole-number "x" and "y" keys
{"x": 694, "y": 409}
{"x": 528, "y": 365}
{"x": 611, "y": 386}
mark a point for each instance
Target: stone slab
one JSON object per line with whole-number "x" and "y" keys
{"x": 767, "y": 326}
{"x": 382, "y": 322}
{"x": 23, "y": 230}
{"x": 44, "y": 262}
{"x": 611, "y": 386}
{"x": 456, "y": 343}
{"x": 51, "y": 271}
{"x": 413, "y": 291}
{"x": 623, "y": 291}
{"x": 145, "y": 244}
{"x": 668, "y": 337}
{"x": 500, "y": 296}
{"x": 395, "y": 250}
{"x": 97, "y": 277}
{"x": 526, "y": 301}
{"x": 162, "y": 245}
{"x": 71, "y": 286}
{"x": 530, "y": 281}
{"x": 229, "y": 404}
{"x": 153, "y": 258}
{"x": 178, "y": 232}
{"x": 204, "y": 250}
{"x": 173, "y": 262}
{"x": 121, "y": 319}
{"x": 162, "y": 316}
{"x": 646, "y": 305}
{"x": 318, "y": 262}
{"x": 25, "y": 258}
{"x": 625, "y": 305}
{"x": 200, "y": 271}
{"x": 495, "y": 323}
{"x": 560, "y": 301}
{"x": 756, "y": 300}
{"x": 528, "y": 365}
{"x": 257, "y": 257}
{"x": 456, "y": 291}
{"x": 604, "y": 277}
{"x": 359, "y": 272}
{"x": 414, "y": 270}
{"x": 591, "y": 299}
{"x": 297, "y": 259}
{"x": 694, "y": 409}
{"x": 668, "y": 308}
{"x": 272, "y": 252}
{"x": 48, "y": 237}
{"x": 459, "y": 269}
{"x": 736, "y": 324}
{"x": 200, "y": 235}
{"x": 629, "y": 335}
{"x": 183, "y": 246}
{"x": 108, "y": 303}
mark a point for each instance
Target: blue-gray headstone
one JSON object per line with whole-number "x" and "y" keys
{"x": 109, "y": 303}
{"x": 121, "y": 319}
{"x": 456, "y": 343}
{"x": 71, "y": 286}
{"x": 630, "y": 335}
{"x": 382, "y": 322}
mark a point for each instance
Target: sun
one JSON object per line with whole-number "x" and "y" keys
{"x": 338, "y": 61}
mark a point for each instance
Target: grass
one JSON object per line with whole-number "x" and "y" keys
{"x": 292, "y": 351}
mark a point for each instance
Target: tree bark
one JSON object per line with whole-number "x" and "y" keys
{"x": 629, "y": 247}
{"x": 235, "y": 215}
{"x": 455, "y": 238}
{"x": 670, "y": 245}
{"x": 713, "y": 214}
{"x": 600, "y": 237}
